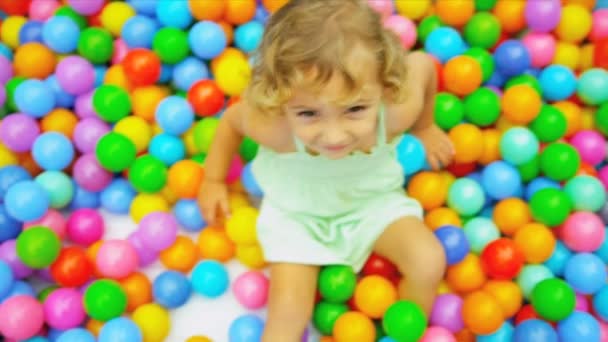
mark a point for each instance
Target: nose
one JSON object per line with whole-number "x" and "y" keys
{"x": 335, "y": 134}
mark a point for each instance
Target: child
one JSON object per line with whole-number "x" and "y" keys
{"x": 330, "y": 96}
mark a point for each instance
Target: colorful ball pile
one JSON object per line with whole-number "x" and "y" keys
{"x": 112, "y": 105}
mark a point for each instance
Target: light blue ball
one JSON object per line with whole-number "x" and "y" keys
{"x": 386, "y": 339}
{"x": 10, "y": 226}
{"x": 117, "y": 197}
{"x": 6, "y": 51}
{"x": 558, "y": 259}
{"x": 59, "y": 187}
{"x": 139, "y": 31}
{"x": 534, "y": 330}
{"x": 445, "y": 43}
{"x": 593, "y": 86}
{"x": 557, "y": 82}
{"x": 600, "y": 303}
{"x": 62, "y": 98}
{"x": 171, "y": 289}
{"x": 189, "y": 71}
{"x": 76, "y": 334}
{"x": 503, "y": 334}
{"x": 166, "y": 73}
{"x": 530, "y": 275}
{"x": 60, "y": 34}
{"x": 34, "y": 98}
{"x": 174, "y": 115}
{"x": 480, "y": 232}
{"x": 411, "y": 154}
{"x": 579, "y": 326}
{"x": 518, "y": 145}
{"x": 249, "y": 183}
{"x": 31, "y": 31}
{"x": 188, "y": 215}
{"x": 207, "y": 39}
{"x": 7, "y": 279}
{"x": 210, "y": 278}
{"x": 586, "y": 193}
{"x": 466, "y": 197}
{"x": 246, "y": 328}
{"x": 501, "y": 180}
{"x": 120, "y": 329}
{"x": 601, "y": 4}
{"x": 21, "y": 288}
{"x": 84, "y": 199}
{"x": 144, "y": 7}
{"x": 52, "y": 151}
{"x": 173, "y": 13}
{"x": 10, "y": 175}
{"x": 167, "y": 148}
{"x": 602, "y": 252}
{"x": 586, "y": 273}
{"x": 539, "y": 184}
{"x": 247, "y": 37}
{"x": 26, "y": 201}
{"x": 261, "y": 14}
{"x": 100, "y": 74}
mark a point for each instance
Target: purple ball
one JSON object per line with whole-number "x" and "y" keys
{"x": 446, "y": 312}
{"x": 19, "y": 131}
{"x": 87, "y": 7}
{"x": 6, "y": 69}
{"x": 543, "y": 16}
{"x": 89, "y": 174}
{"x": 145, "y": 255}
{"x": 158, "y": 230}
{"x": 88, "y": 132}
{"x": 8, "y": 254}
{"x": 83, "y": 105}
{"x": 75, "y": 75}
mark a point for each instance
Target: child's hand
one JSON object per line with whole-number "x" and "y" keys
{"x": 439, "y": 148}
{"x": 213, "y": 201}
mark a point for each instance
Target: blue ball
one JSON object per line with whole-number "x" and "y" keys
{"x": 246, "y": 328}
{"x": 37, "y": 339}
{"x": 261, "y": 14}
{"x": 593, "y": 86}
{"x": 535, "y": 72}
{"x": 189, "y": 215}
{"x": 100, "y": 74}
{"x": 557, "y": 82}
{"x": 496, "y": 79}
{"x": 34, "y": 98}
{"x": 480, "y": 231}
{"x": 600, "y": 303}
{"x": 501, "y": 180}
{"x": 171, "y": 289}
{"x": 76, "y": 334}
{"x": 139, "y": 31}
{"x": 602, "y": 252}
{"x": 173, "y": 13}
{"x": 601, "y": 4}
{"x": 534, "y": 330}
{"x": 210, "y": 278}
{"x": 31, "y": 31}
{"x": 120, "y": 329}
{"x": 558, "y": 259}
{"x": 174, "y": 115}
{"x": 21, "y": 288}
{"x": 117, "y": 196}
{"x": 579, "y": 326}
{"x": 54, "y": 334}
{"x": 7, "y": 279}
{"x": 207, "y": 39}
{"x": 84, "y": 199}
{"x": 411, "y": 154}
{"x": 512, "y": 58}
{"x": 167, "y": 148}
{"x": 10, "y": 175}
{"x": 444, "y": 43}
{"x": 58, "y": 185}
{"x": 518, "y": 145}
{"x": 144, "y": 7}
{"x": 503, "y": 334}
{"x": 60, "y": 34}
{"x": 62, "y": 98}
{"x": 249, "y": 183}
{"x": 189, "y": 71}
{"x": 26, "y": 201}
{"x": 248, "y": 36}
{"x": 6, "y": 51}
{"x": 539, "y": 184}
{"x": 454, "y": 242}
{"x": 386, "y": 339}
{"x": 586, "y": 272}
{"x": 466, "y": 197}
{"x": 10, "y": 227}
{"x": 52, "y": 151}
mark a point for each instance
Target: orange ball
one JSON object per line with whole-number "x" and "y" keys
{"x": 508, "y": 295}
{"x": 184, "y": 178}
{"x": 429, "y": 189}
{"x": 91, "y": 253}
{"x": 467, "y": 275}
{"x": 588, "y": 4}
{"x": 145, "y": 100}
{"x": 59, "y": 120}
{"x": 207, "y": 10}
{"x": 442, "y": 216}
{"x": 510, "y": 214}
{"x": 455, "y": 12}
{"x": 466, "y": 139}
{"x": 536, "y": 241}
{"x": 374, "y": 294}
{"x": 228, "y": 31}
{"x": 34, "y": 60}
{"x": 573, "y": 115}
{"x": 213, "y": 243}
{"x": 510, "y": 14}
{"x": 27, "y": 162}
{"x": 354, "y": 326}
{"x": 138, "y": 289}
{"x": 94, "y": 326}
{"x": 181, "y": 256}
{"x": 482, "y": 313}
{"x": 465, "y": 335}
{"x": 521, "y": 104}
{"x": 115, "y": 75}
{"x": 239, "y": 11}
{"x": 491, "y": 146}
{"x": 462, "y": 75}
{"x": 273, "y": 5}
{"x": 142, "y": 67}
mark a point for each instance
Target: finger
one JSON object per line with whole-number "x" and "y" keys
{"x": 209, "y": 215}
{"x": 445, "y": 159}
{"x": 433, "y": 162}
{"x": 225, "y": 207}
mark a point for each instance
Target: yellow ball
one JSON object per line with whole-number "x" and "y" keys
{"x": 153, "y": 321}
{"x": 413, "y": 9}
{"x": 586, "y": 57}
{"x": 237, "y": 200}
{"x": 115, "y": 75}
{"x": 169, "y": 195}
{"x": 146, "y": 99}
{"x": 588, "y": 118}
{"x": 199, "y": 339}
{"x": 503, "y": 124}
{"x": 9, "y": 31}
{"x": 567, "y": 54}
{"x": 143, "y": 204}
{"x": 232, "y": 75}
{"x": 251, "y": 256}
{"x": 241, "y": 226}
{"x": 7, "y": 157}
{"x": 574, "y": 24}
{"x": 137, "y": 130}
{"x": 188, "y": 138}
{"x": 443, "y": 288}
{"x": 114, "y": 15}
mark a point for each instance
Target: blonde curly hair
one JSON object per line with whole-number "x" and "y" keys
{"x": 318, "y": 35}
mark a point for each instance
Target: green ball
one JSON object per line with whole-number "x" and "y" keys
{"x": 449, "y": 111}
{"x": 482, "y": 107}
{"x": 104, "y": 299}
{"x": 45, "y": 292}
{"x": 484, "y": 5}
{"x": 428, "y": 25}
{"x": 59, "y": 186}
{"x": 38, "y": 247}
{"x": 11, "y": 86}
{"x": 200, "y": 158}
{"x": 171, "y": 45}
{"x": 529, "y": 170}
{"x": 111, "y": 102}
{"x": 69, "y": 12}
{"x": 96, "y": 45}
{"x": 148, "y": 174}
{"x": 601, "y": 119}
{"x": 204, "y": 131}
{"x": 337, "y": 283}
{"x": 404, "y": 321}
{"x": 482, "y": 30}
{"x": 553, "y": 299}
{"x": 115, "y": 152}
{"x": 325, "y": 316}
{"x": 524, "y": 79}
{"x": 248, "y": 149}
{"x": 550, "y": 206}
{"x": 550, "y": 124}
{"x": 560, "y": 161}
{"x": 485, "y": 60}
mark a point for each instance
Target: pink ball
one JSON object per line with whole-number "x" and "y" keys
{"x": 251, "y": 289}
{"x": 53, "y": 220}
{"x": 583, "y": 232}
{"x": 85, "y": 226}
{"x": 541, "y": 47}
{"x": 437, "y": 334}
{"x": 235, "y": 171}
{"x": 86, "y": 7}
{"x": 116, "y": 259}
{"x": 603, "y": 331}
{"x": 603, "y": 176}
{"x": 590, "y": 145}
{"x": 89, "y": 174}
{"x": 145, "y": 256}
{"x": 582, "y": 304}
{"x": 384, "y": 7}
{"x": 404, "y": 28}
{"x": 41, "y": 10}
{"x": 8, "y": 254}
{"x": 21, "y": 317}
{"x": 599, "y": 27}
{"x": 63, "y": 309}
{"x": 158, "y": 230}
{"x": 120, "y": 51}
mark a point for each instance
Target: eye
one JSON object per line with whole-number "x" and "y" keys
{"x": 356, "y": 109}
{"x": 307, "y": 113}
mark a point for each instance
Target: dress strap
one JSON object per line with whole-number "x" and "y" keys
{"x": 381, "y": 140}
{"x": 299, "y": 145}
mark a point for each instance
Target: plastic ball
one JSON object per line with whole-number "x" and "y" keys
{"x": 530, "y": 276}
{"x": 215, "y": 244}
{"x": 75, "y": 75}
{"x": 482, "y": 30}
{"x": 466, "y": 197}
{"x": 590, "y": 145}
{"x": 18, "y": 132}
{"x": 138, "y": 289}
{"x": 85, "y": 226}
{"x": 374, "y": 295}
{"x": 139, "y": 31}
{"x": 543, "y": 16}
{"x": 21, "y": 317}
{"x": 553, "y": 299}
{"x": 455, "y": 13}
{"x": 462, "y": 75}
{"x": 63, "y": 309}
{"x": 354, "y": 326}
{"x": 500, "y": 180}
{"x": 550, "y": 206}
{"x": 404, "y": 321}
{"x": 60, "y": 33}
{"x": 446, "y": 312}
{"x": 72, "y": 268}
{"x": 111, "y": 103}
{"x": 89, "y": 175}
{"x": 247, "y": 37}
{"x": 202, "y": 10}
{"x": 251, "y": 289}
{"x": 207, "y": 39}
{"x": 560, "y": 161}
{"x": 534, "y": 330}
{"x": 465, "y": 138}
{"x": 104, "y": 300}
{"x": 549, "y": 125}
{"x": 116, "y": 259}
{"x": 148, "y": 174}
{"x": 153, "y": 321}
{"x": 143, "y": 204}
{"x": 189, "y": 71}
{"x": 58, "y": 186}
{"x": 455, "y": 243}
{"x": 600, "y": 303}
{"x": 142, "y": 67}
{"x": 246, "y": 328}
{"x": 586, "y": 273}
{"x": 120, "y": 329}
{"x": 507, "y": 294}
{"x": 171, "y": 45}
{"x": 444, "y": 43}
{"x": 579, "y": 326}
{"x": 158, "y": 230}
{"x": 337, "y": 283}
{"x": 26, "y": 201}
{"x": 210, "y": 278}
{"x": 171, "y": 289}
{"x": 482, "y": 107}
{"x": 502, "y": 259}
{"x": 541, "y": 47}
{"x": 428, "y": 188}
{"x": 115, "y": 152}
{"x": 205, "y": 97}
{"x": 512, "y": 58}
{"x": 521, "y": 104}
{"x": 480, "y": 232}
{"x": 536, "y": 242}
{"x": 574, "y": 24}
{"x": 34, "y": 98}
{"x": 325, "y": 315}
{"x": 591, "y": 85}
{"x": 586, "y": 193}
{"x": 449, "y": 110}
{"x": 481, "y": 313}
{"x": 467, "y": 275}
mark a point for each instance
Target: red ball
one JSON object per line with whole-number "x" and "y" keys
{"x": 206, "y": 98}
{"x": 502, "y": 259}
{"x": 600, "y": 54}
{"x": 379, "y": 265}
{"x": 525, "y": 313}
{"x": 142, "y": 67}
{"x": 15, "y": 7}
{"x": 461, "y": 170}
{"x": 72, "y": 267}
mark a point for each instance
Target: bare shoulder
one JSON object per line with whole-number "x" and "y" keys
{"x": 268, "y": 130}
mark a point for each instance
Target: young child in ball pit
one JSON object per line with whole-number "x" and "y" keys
{"x": 332, "y": 92}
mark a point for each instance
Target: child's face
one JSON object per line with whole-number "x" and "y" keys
{"x": 331, "y": 128}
